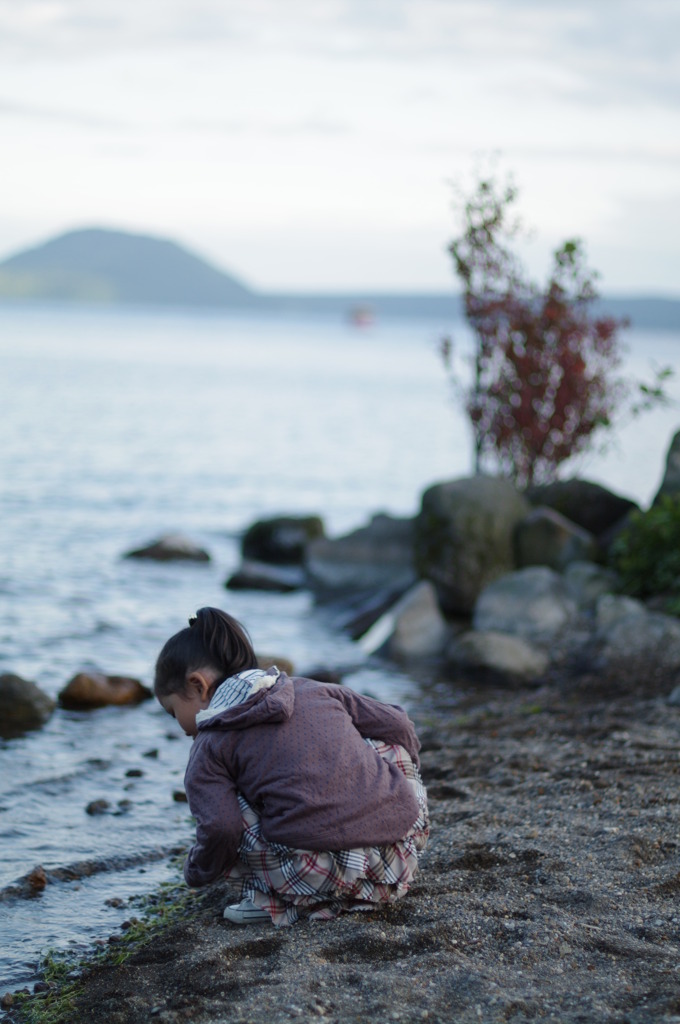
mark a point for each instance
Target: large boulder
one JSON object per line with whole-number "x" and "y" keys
{"x": 588, "y": 582}
{"x": 545, "y": 537}
{"x": 375, "y": 557}
{"x": 463, "y": 537}
{"x": 281, "y": 540}
{"x": 588, "y": 505}
{"x": 23, "y": 706}
{"x": 172, "y": 547}
{"x": 496, "y": 656}
{"x": 533, "y": 603}
{"x": 671, "y": 479}
{"x": 96, "y": 690}
{"x": 413, "y": 628}
{"x": 628, "y": 633}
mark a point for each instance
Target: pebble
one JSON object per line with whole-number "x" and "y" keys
{"x": 179, "y": 796}
{"x": 134, "y": 773}
{"x": 97, "y": 807}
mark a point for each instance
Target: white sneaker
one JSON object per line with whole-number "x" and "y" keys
{"x": 246, "y": 912}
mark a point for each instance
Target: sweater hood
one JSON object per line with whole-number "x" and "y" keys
{"x": 271, "y": 705}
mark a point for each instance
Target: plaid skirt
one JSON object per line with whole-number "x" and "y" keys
{"x": 288, "y": 882}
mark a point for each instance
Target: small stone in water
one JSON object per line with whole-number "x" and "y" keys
{"x": 41, "y": 986}
{"x": 115, "y": 901}
{"x": 150, "y": 753}
{"x": 134, "y": 773}
{"x": 7, "y": 1001}
{"x": 37, "y": 879}
{"x": 97, "y": 807}
{"x": 179, "y": 796}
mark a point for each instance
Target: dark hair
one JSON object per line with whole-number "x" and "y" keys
{"x": 213, "y": 639}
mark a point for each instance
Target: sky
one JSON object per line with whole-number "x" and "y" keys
{"x": 317, "y": 144}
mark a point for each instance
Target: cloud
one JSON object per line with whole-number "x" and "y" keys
{"x": 55, "y": 115}
{"x": 610, "y": 50}
{"x": 620, "y": 154}
{"x": 312, "y": 125}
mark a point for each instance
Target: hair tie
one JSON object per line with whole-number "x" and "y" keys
{"x": 193, "y": 619}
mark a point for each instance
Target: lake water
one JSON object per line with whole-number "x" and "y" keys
{"x": 119, "y": 427}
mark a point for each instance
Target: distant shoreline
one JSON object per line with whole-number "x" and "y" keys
{"x": 105, "y": 269}
{"x": 643, "y": 312}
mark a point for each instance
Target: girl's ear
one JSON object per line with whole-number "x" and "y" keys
{"x": 201, "y": 685}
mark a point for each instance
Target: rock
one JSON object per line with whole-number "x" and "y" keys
{"x": 588, "y": 582}
{"x": 588, "y": 505}
{"x": 606, "y": 539}
{"x": 172, "y": 547}
{"x": 463, "y": 537}
{"x": 363, "y": 613}
{"x": 96, "y": 807}
{"x": 7, "y": 1001}
{"x": 613, "y": 609}
{"x": 37, "y": 879}
{"x": 282, "y": 579}
{"x": 325, "y": 675}
{"x": 670, "y": 483}
{"x": 545, "y": 537}
{"x": 265, "y": 661}
{"x": 532, "y": 603}
{"x": 179, "y": 796}
{"x": 627, "y": 631}
{"x": 413, "y": 628}
{"x": 497, "y": 655}
{"x": 23, "y": 706}
{"x": 282, "y": 540}
{"x": 378, "y": 556}
{"x": 95, "y": 690}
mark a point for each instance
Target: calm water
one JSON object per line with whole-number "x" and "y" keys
{"x": 120, "y": 427}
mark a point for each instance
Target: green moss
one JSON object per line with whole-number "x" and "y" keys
{"x": 168, "y": 904}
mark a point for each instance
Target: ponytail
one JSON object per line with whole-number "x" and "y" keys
{"x": 213, "y": 639}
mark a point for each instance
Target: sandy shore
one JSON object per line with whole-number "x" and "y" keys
{"x": 549, "y": 889}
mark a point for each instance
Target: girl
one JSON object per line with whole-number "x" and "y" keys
{"x": 309, "y": 793}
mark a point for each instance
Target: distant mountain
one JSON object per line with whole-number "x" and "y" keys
{"x": 113, "y": 267}
{"x": 102, "y": 266}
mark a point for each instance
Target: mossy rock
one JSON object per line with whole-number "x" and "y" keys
{"x": 464, "y": 537}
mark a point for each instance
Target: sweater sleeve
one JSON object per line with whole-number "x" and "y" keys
{"x": 378, "y": 721}
{"x": 214, "y": 805}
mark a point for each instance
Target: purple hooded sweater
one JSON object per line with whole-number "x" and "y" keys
{"x": 296, "y": 753}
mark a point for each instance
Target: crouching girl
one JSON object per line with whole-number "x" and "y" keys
{"x": 307, "y": 793}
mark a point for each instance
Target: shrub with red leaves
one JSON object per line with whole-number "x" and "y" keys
{"x": 545, "y": 366}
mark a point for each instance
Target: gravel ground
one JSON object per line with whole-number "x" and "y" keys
{"x": 548, "y": 890}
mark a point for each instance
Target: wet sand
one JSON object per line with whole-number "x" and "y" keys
{"x": 549, "y": 889}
